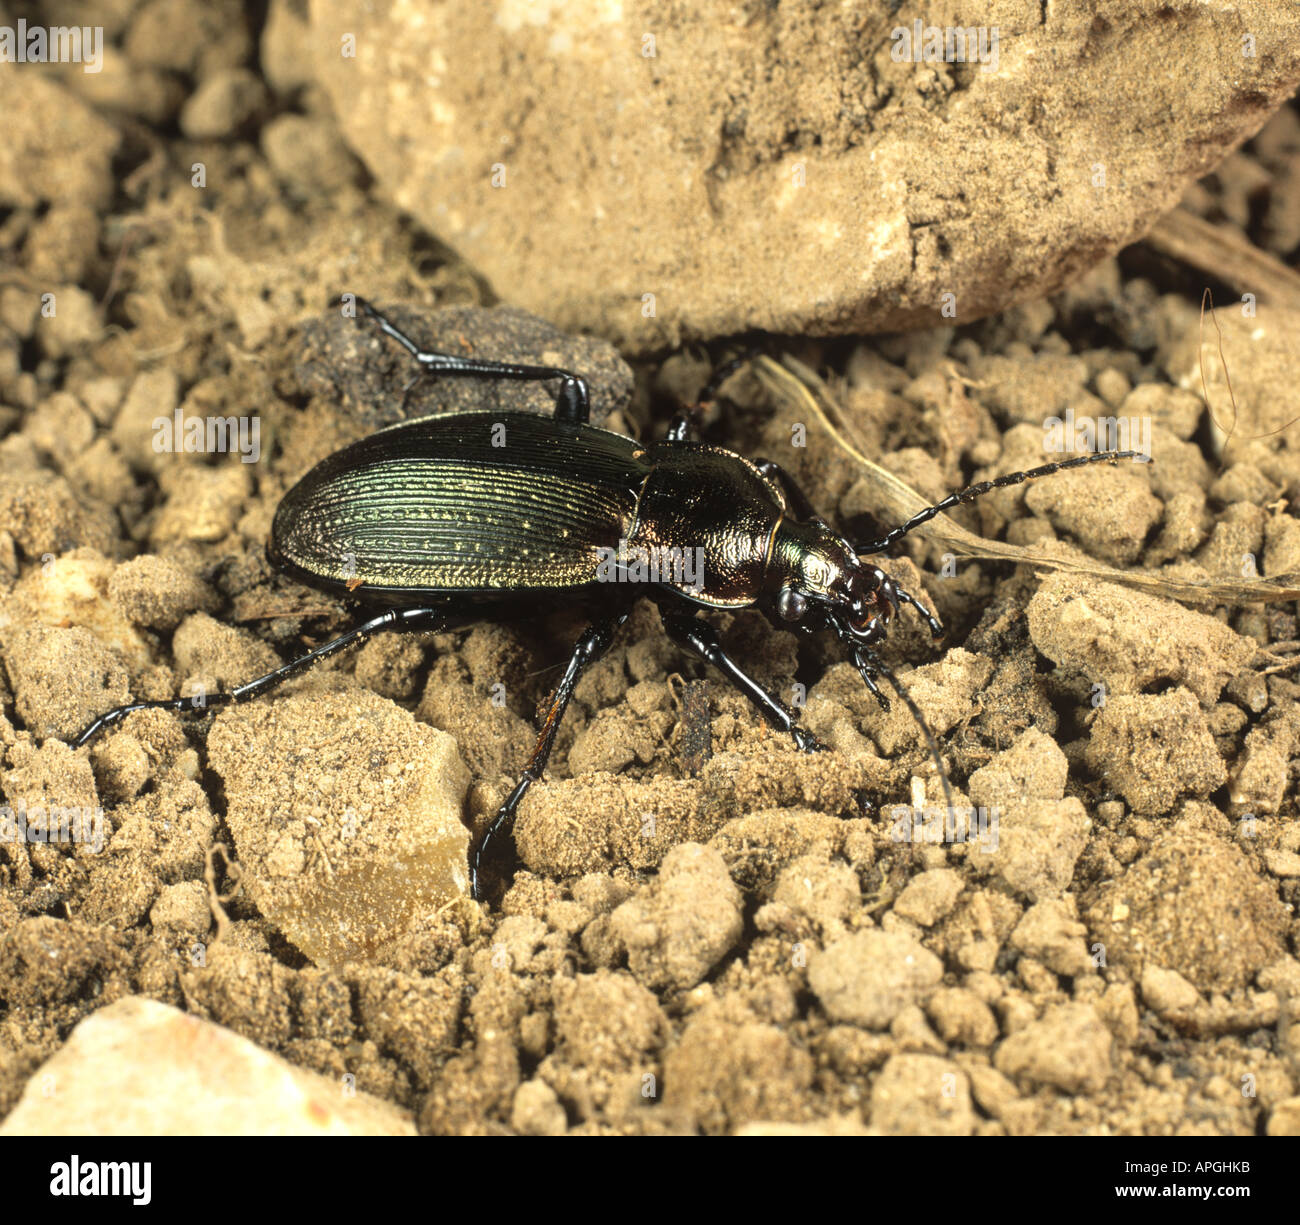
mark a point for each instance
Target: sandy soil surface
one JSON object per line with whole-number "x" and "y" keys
{"x": 708, "y": 932}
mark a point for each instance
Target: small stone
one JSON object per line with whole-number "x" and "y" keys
{"x": 357, "y": 368}
{"x": 607, "y": 1021}
{"x": 1108, "y": 510}
{"x": 1033, "y": 845}
{"x": 869, "y": 977}
{"x": 1118, "y": 1009}
{"x": 217, "y": 656}
{"x": 927, "y": 898}
{"x": 182, "y": 909}
{"x": 414, "y": 1016}
{"x": 62, "y": 679}
{"x": 307, "y": 153}
{"x": 203, "y": 503}
{"x": 1281, "y": 546}
{"x": 1193, "y": 903}
{"x": 1032, "y": 768}
{"x": 921, "y": 1095}
{"x": 1069, "y": 1048}
{"x": 155, "y": 592}
{"x": 961, "y": 1016}
{"x": 193, "y": 37}
{"x": 825, "y": 892}
{"x": 944, "y": 691}
{"x": 222, "y": 104}
{"x": 1285, "y": 1118}
{"x": 1167, "y": 991}
{"x": 536, "y": 1111}
{"x": 285, "y": 56}
{"x": 1285, "y": 864}
{"x": 1175, "y": 408}
{"x": 685, "y": 922}
{"x": 721, "y": 1076}
{"x": 1154, "y": 749}
{"x": 1243, "y": 483}
{"x": 1131, "y": 641}
{"x": 1112, "y": 386}
{"x": 153, "y": 393}
{"x": 1235, "y": 544}
{"x": 1050, "y": 933}
{"x": 75, "y": 322}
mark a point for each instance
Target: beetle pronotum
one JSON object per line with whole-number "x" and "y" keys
{"x": 434, "y": 522}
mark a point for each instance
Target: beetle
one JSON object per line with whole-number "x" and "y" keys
{"x": 459, "y": 517}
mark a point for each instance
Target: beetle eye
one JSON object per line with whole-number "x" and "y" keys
{"x": 790, "y": 604}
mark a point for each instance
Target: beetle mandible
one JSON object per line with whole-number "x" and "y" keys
{"x": 435, "y": 523}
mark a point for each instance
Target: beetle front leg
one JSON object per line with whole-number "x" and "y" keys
{"x": 595, "y": 641}
{"x": 701, "y": 639}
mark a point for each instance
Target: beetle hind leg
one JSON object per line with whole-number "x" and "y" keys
{"x": 572, "y": 400}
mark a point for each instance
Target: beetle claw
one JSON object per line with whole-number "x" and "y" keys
{"x": 807, "y": 742}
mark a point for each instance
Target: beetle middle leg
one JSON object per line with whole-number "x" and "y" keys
{"x": 686, "y": 420}
{"x": 572, "y": 401}
{"x": 392, "y": 619}
{"x": 593, "y": 643}
{"x": 701, "y": 639}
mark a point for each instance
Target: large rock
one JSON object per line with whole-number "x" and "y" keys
{"x": 775, "y": 166}
{"x": 346, "y": 816}
{"x": 140, "y": 1068}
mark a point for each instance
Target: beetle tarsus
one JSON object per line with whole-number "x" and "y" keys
{"x": 806, "y": 742}
{"x": 499, "y": 831}
{"x": 868, "y": 674}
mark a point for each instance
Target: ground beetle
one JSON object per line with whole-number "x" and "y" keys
{"x": 453, "y": 518}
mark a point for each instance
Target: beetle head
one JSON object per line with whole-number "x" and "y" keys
{"x": 819, "y": 582}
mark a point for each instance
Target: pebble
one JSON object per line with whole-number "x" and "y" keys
{"x": 869, "y": 977}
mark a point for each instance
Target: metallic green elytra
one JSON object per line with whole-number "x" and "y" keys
{"x": 485, "y": 506}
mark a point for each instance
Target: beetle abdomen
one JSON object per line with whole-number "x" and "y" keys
{"x": 467, "y": 502}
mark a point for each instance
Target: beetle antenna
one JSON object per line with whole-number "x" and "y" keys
{"x": 868, "y": 662}
{"x": 971, "y": 492}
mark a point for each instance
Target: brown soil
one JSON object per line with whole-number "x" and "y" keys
{"x": 709, "y": 932}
